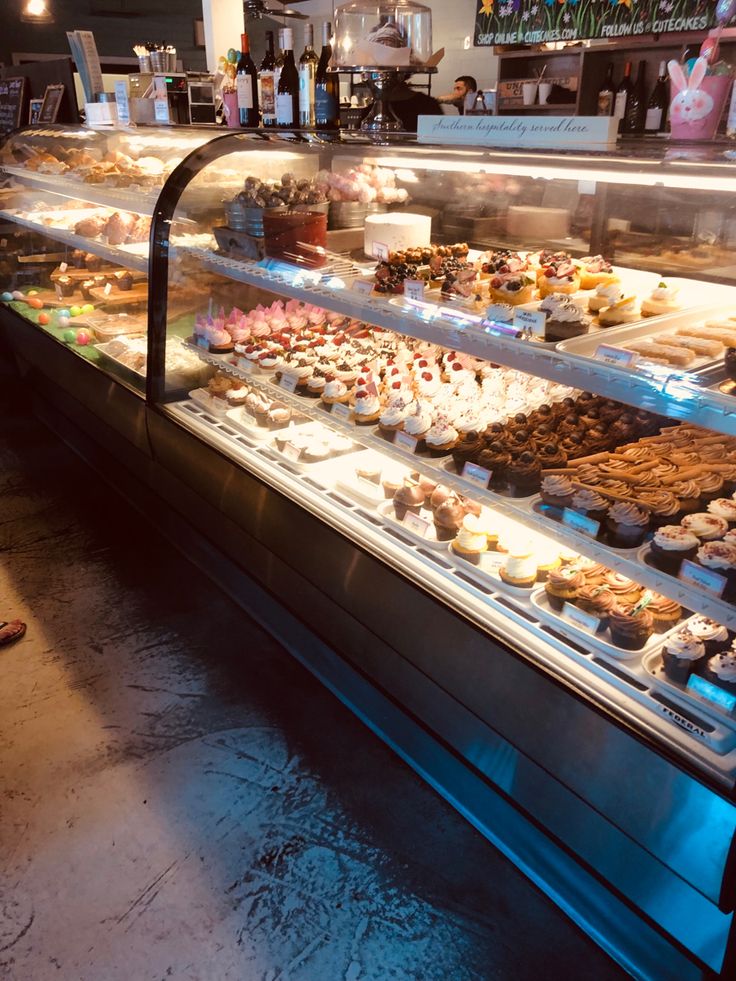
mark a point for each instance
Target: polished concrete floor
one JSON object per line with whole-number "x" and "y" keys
{"x": 180, "y": 799}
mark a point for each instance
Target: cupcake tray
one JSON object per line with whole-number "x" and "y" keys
{"x": 308, "y": 429}
{"x": 586, "y": 345}
{"x": 645, "y": 556}
{"x": 241, "y": 420}
{"x": 363, "y": 492}
{"x": 550, "y": 512}
{"x": 654, "y": 669}
{"x": 386, "y": 511}
{"x": 578, "y": 632}
{"x": 449, "y": 467}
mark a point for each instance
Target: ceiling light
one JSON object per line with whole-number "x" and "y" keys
{"x": 36, "y": 12}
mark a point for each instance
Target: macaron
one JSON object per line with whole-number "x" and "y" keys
{"x": 64, "y": 320}
{"x": 43, "y": 319}
{"x": 83, "y": 338}
{"x": 88, "y": 308}
{"x": 75, "y": 311}
{"x": 6, "y": 297}
{"x": 69, "y": 336}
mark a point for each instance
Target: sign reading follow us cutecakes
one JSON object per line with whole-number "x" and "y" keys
{"x": 542, "y": 21}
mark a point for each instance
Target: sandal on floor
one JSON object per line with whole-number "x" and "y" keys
{"x": 10, "y": 631}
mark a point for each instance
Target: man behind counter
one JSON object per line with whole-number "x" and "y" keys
{"x": 463, "y": 85}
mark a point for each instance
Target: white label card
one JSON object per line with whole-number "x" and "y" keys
{"x": 363, "y": 286}
{"x": 585, "y": 620}
{"x": 340, "y": 411}
{"x": 705, "y": 579}
{"x": 530, "y": 322}
{"x": 161, "y": 110}
{"x": 580, "y": 522}
{"x": 291, "y": 452}
{"x": 405, "y": 441}
{"x": 380, "y": 251}
{"x": 288, "y": 383}
{"x": 477, "y": 475}
{"x": 616, "y": 355}
{"x": 121, "y": 100}
{"x": 414, "y": 289}
{"x": 416, "y": 524}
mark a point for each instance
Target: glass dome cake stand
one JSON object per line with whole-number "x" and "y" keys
{"x": 381, "y": 118}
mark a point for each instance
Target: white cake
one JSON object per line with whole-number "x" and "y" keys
{"x": 396, "y": 230}
{"x": 524, "y": 221}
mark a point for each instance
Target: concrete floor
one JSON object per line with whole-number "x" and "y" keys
{"x": 180, "y": 799}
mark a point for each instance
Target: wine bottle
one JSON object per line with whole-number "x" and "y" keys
{"x": 657, "y": 105}
{"x": 266, "y": 84}
{"x": 606, "y": 93}
{"x": 308, "y": 64}
{"x": 287, "y": 97}
{"x": 246, "y": 86}
{"x": 279, "y": 64}
{"x": 622, "y": 95}
{"x": 636, "y": 106}
{"x": 326, "y": 86}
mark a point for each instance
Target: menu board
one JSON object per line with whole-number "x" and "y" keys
{"x": 542, "y": 21}
{"x": 12, "y": 103}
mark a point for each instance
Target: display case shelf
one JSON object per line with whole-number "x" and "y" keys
{"x": 671, "y": 393}
{"x": 626, "y": 562}
{"x": 119, "y": 199}
{"x": 704, "y": 740}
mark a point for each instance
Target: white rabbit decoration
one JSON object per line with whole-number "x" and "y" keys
{"x": 691, "y": 104}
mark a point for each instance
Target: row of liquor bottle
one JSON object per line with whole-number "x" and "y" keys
{"x": 629, "y": 103}
{"x": 281, "y": 94}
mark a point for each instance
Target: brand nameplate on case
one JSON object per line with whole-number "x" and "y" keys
{"x": 580, "y": 522}
{"x": 712, "y": 693}
{"x": 414, "y": 289}
{"x": 577, "y": 616}
{"x": 530, "y": 322}
{"x": 288, "y": 383}
{"x": 616, "y": 355}
{"x": 291, "y": 452}
{"x": 380, "y": 251}
{"x": 406, "y": 442}
{"x": 416, "y": 524}
{"x": 705, "y": 579}
{"x": 340, "y": 411}
{"x": 477, "y": 475}
{"x": 363, "y": 286}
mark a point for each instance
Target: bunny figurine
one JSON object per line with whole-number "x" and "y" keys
{"x": 691, "y": 105}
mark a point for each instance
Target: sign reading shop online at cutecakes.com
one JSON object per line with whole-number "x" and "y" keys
{"x": 519, "y": 131}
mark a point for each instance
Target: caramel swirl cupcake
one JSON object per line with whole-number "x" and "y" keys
{"x": 598, "y": 601}
{"x": 631, "y": 627}
{"x": 627, "y": 525}
{"x": 557, "y": 490}
{"x": 666, "y": 612}
{"x": 664, "y": 508}
{"x": 710, "y": 484}
{"x": 688, "y": 494}
{"x": 591, "y": 504}
{"x": 562, "y": 586}
{"x": 624, "y": 589}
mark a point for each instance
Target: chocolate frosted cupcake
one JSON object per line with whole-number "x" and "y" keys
{"x": 408, "y": 499}
{"x": 724, "y": 507}
{"x": 557, "y": 490}
{"x": 667, "y": 613}
{"x": 681, "y": 655}
{"x": 495, "y": 458}
{"x": 447, "y": 519}
{"x": 714, "y": 636}
{"x": 598, "y": 601}
{"x": 670, "y": 546}
{"x": 631, "y": 627}
{"x": 627, "y": 525}
{"x": 565, "y": 318}
{"x": 468, "y": 445}
{"x": 552, "y": 456}
{"x": 524, "y": 474}
{"x": 706, "y": 527}
{"x": 562, "y": 586}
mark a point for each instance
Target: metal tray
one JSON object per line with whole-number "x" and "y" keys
{"x": 546, "y": 510}
{"x": 541, "y": 604}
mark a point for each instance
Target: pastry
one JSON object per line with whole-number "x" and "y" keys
{"x": 548, "y": 560}
{"x": 590, "y": 503}
{"x": 724, "y": 508}
{"x": 598, "y": 601}
{"x": 512, "y": 289}
{"x": 441, "y": 437}
{"x": 390, "y": 485}
{"x": 237, "y": 396}
{"x": 65, "y": 286}
{"x": 606, "y": 295}
{"x": 562, "y": 586}
{"x": 564, "y": 318}
{"x": 625, "y": 590}
{"x": 665, "y": 612}
{"x": 721, "y": 670}
{"x": 334, "y": 392}
{"x": 409, "y": 498}
{"x": 706, "y": 527}
{"x": 714, "y": 636}
{"x": 557, "y": 490}
{"x": 448, "y": 518}
{"x": 471, "y": 542}
{"x": 519, "y": 568}
{"x": 662, "y": 299}
{"x": 559, "y": 277}
{"x": 627, "y": 525}
{"x": 524, "y": 474}
{"x": 419, "y": 422}
{"x": 392, "y": 417}
{"x": 595, "y": 271}
{"x": 670, "y": 546}
{"x": 681, "y": 654}
{"x": 623, "y": 311}
{"x": 124, "y": 281}
{"x": 720, "y": 557}
{"x": 630, "y": 626}
{"x": 90, "y": 228}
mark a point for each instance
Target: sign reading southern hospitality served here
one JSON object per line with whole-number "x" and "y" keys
{"x": 541, "y": 21}
{"x": 519, "y": 131}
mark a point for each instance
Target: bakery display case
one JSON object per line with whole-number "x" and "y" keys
{"x": 486, "y": 378}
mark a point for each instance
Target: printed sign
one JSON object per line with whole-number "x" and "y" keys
{"x": 414, "y": 289}
{"x": 364, "y": 286}
{"x": 537, "y": 22}
{"x": 563, "y": 132}
{"x": 340, "y": 411}
{"x": 585, "y": 620}
{"x": 288, "y": 382}
{"x": 51, "y": 103}
{"x": 416, "y": 524}
{"x": 121, "y": 100}
{"x": 705, "y": 579}
{"x": 580, "y": 522}
{"x": 616, "y": 355}
{"x": 405, "y": 441}
{"x": 477, "y": 475}
{"x": 530, "y": 322}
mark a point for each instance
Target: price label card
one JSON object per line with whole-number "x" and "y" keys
{"x": 108, "y": 289}
{"x": 416, "y": 524}
{"x": 288, "y": 383}
{"x": 363, "y": 286}
{"x": 63, "y": 268}
{"x": 340, "y": 411}
{"x": 291, "y": 452}
{"x": 712, "y": 693}
{"x": 585, "y": 620}
{"x": 705, "y": 579}
{"x": 477, "y": 475}
{"x": 580, "y": 522}
{"x": 405, "y": 441}
{"x": 121, "y": 100}
{"x": 414, "y": 289}
{"x": 530, "y": 322}
{"x": 380, "y": 251}
{"x": 161, "y": 110}
{"x": 616, "y": 355}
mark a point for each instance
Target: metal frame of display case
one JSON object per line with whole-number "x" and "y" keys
{"x": 631, "y": 836}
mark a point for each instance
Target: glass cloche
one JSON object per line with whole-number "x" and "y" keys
{"x": 382, "y": 34}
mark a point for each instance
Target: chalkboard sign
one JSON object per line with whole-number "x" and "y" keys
{"x": 51, "y": 101}
{"x": 12, "y": 99}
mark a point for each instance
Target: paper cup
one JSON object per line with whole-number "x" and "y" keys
{"x": 544, "y": 90}
{"x": 529, "y": 93}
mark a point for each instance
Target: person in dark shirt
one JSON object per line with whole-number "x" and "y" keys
{"x": 407, "y": 104}
{"x": 463, "y": 85}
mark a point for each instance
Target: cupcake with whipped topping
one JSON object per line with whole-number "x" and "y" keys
{"x": 662, "y": 299}
{"x": 706, "y": 527}
{"x": 335, "y": 392}
{"x": 500, "y": 313}
{"x": 721, "y": 670}
{"x": 471, "y": 541}
{"x": 564, "y": 318}
{"x": 392, "y": 417}
{"x": 419, "y": 422}
{"x": 605, "y": 296}
{"x": 720, "y": 557}
{"x": 670, "y": 546}
{"x": 725, "y": 508}
{"x": 519, "y": 568}
{"x": 441, "y": 437}
{"x": 626, "y": 525}
{"x": 682, "y": 653}
{"x": 714, "y": 636}
{"x": 591, "y": 504}
{"x": 557, "y": 490}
